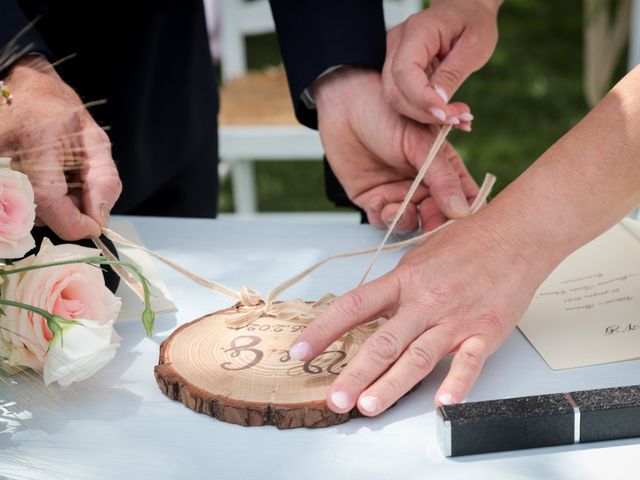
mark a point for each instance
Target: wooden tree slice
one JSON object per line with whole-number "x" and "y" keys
{"x": 245, "y": 375}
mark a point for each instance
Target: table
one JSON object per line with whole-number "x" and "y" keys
{"x": 118, "y": 425}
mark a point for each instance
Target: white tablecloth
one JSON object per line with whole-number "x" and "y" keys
{"x": 118, "y": 425}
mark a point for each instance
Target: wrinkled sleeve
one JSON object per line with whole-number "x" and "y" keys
{"x": 17, "y": 35}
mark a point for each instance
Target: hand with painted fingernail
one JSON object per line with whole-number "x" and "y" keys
{"x": 431, "y": 53}
{"x": 53, "y": 139}
{"x": 459, "y": 292}
{"x": 376, "y": 153}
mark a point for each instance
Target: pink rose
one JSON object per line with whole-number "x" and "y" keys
{"x": 74, "y": 291}
{"x": 17, "y": 214}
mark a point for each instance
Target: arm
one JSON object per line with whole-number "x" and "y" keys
{"x": 372, "y": 149}
{"x": 463, "y": 290}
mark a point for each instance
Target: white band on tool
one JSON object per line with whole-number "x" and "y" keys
{"x": 576, "y": 418}
{"x": 444, "y": 433}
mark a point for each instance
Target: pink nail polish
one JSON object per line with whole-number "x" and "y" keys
{"x": 446, "y": 399}
{"x": 369, "y": 403}
{"x": 452, "y": 121}
{"x": 340, "y": 399}
{"x": 438, "y": 113}
{"x": 443, "y": 94}
{"x": 300, "y": 351}
{"x": 465, "y": 127}
{"x": 465, "y": 117}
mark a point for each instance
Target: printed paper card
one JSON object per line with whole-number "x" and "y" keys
{"x": 588, "y": 311}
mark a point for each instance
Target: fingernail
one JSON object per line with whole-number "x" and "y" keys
{"x": 300, "y": 351}
{"x": 438, "y": 113}
{"x": 465, "y": 127}
{"x": 369, "y": 403}
{"x": 465, "y": 117}
{"x": 377, "y": 204}
{"x": 340, "y": 400}
{"x": 452, "y": 121}
{"x": 446, "y": 399}
{"x": 105, "y": 213}
{"x": 443, "y": 95}
{"x": 458, "y": 205}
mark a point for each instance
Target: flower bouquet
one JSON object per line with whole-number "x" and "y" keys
{"x": 56, "y": 314}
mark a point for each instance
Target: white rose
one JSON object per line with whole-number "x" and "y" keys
{"x": 79, "y": 350}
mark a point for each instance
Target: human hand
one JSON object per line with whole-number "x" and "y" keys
{"x": 460, "y": 292}
{"x": 52, "y": 138}
{"x": 376, "y": 153}
{"x": 431, "y": 53}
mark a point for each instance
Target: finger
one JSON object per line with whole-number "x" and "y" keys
{"x": 407, "y": 223}
{"x": 53, "y": 205}
{"x": 430, "y": 215}
{"x": 445, "y": 188}
{"x": 465, "y": 368}
{"x": 469, "y": 186}
{"x": 374, "y": 210}
{"x": 416, "y": 362}
{"x": 101, "y": 182}
{"x": 373, "y": 202}
{"x": 464, "y": 115}
{"x": 358, "y": 306}
{"x": 408, "y": 69}
{"x": 455, "y": 67}
{"x": 374, "y": 358}
{"x": 402, "y": 105}
{"x": 64, "y": 218}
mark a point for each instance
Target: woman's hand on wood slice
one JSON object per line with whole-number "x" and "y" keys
{"x": 461, "y": 292}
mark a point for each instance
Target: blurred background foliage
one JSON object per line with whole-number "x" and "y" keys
{"x": 527, "y": 96}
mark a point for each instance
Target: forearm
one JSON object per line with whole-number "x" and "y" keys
{"x": 582, "y": 185}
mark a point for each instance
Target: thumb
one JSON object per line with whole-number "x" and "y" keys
{"x": 453, "y": 70}
{"x": 101, "y": 182}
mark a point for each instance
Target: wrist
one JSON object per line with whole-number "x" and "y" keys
{"x": 491, "y": 5}
{"x": 518, "y": 240}
{"x": 337, "y": 87}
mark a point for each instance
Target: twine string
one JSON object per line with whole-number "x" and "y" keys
{"x": 250, "y": 307}
{"x": 442, "y": 134}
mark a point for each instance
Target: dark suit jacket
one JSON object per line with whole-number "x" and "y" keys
{"x": 150, "y": 60}
{"x": 315, "y": 35}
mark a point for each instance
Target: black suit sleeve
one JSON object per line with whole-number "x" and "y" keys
{"x": 16, "y": 35}
{"x": 317, "y": 34}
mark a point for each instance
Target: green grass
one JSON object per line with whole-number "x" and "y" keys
{"x": 528, "y": 96}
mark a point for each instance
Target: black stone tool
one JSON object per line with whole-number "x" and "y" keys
{"x": 540, "y": 421}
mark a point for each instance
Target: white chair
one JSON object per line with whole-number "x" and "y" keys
{"x": 265, "y": 138}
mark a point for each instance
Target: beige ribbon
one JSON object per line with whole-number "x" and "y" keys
{"x": 249, "y": 305}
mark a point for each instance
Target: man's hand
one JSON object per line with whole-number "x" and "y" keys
{"x": 461, "y": 292}
{"x": 67, "y": 157}
{"x": 432, "y": 53}
{"x": 376, "y": 153}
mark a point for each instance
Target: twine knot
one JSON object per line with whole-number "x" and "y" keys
{"x": 249, "y": 297}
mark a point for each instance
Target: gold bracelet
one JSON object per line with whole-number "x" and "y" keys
{"x": 5, "y": 93}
